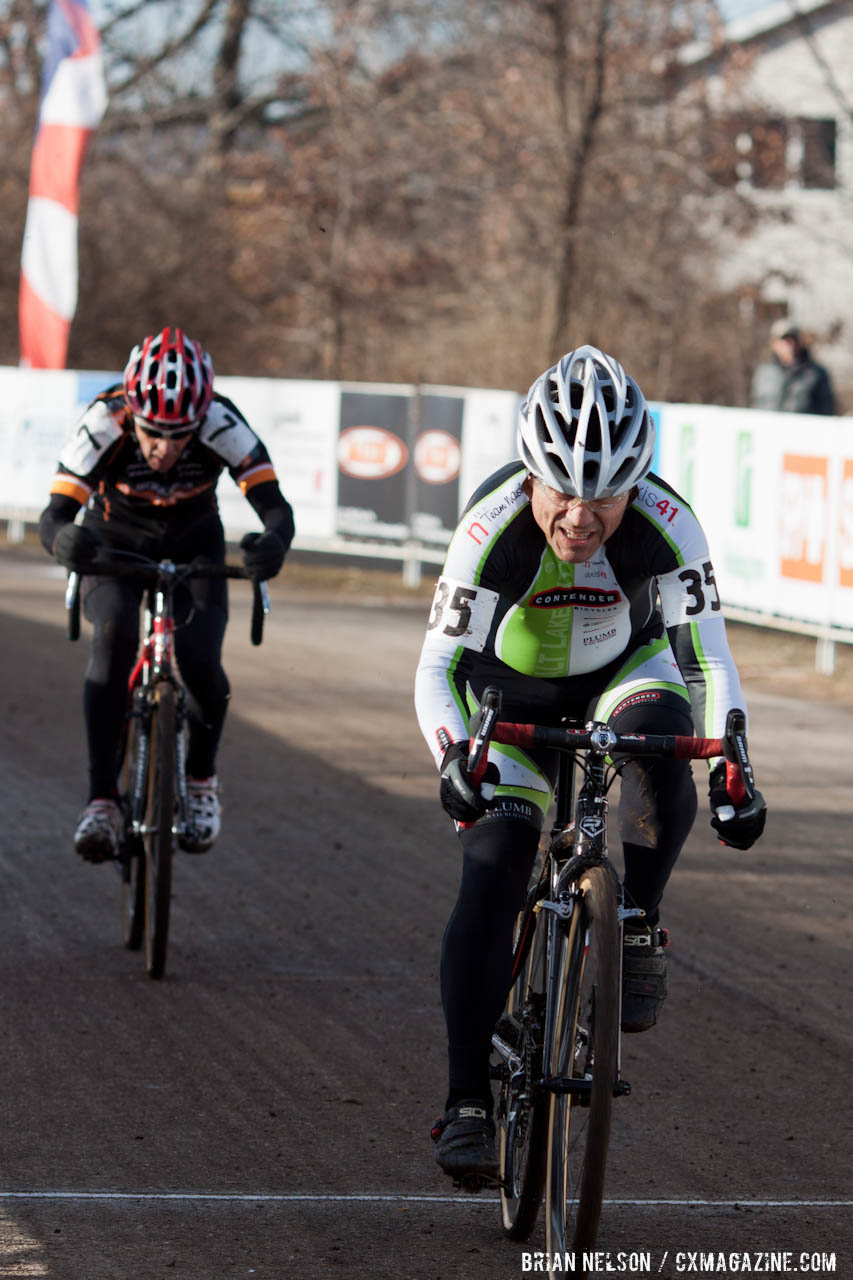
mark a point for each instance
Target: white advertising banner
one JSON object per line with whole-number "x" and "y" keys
{"x": 774, "y": 493}
{"x": 38, "y": 410}
{"x": 298, "y": 423}
{"x": 489, "y": 423}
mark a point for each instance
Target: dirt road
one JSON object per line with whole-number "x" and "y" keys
{"x": 264, "y": 1111}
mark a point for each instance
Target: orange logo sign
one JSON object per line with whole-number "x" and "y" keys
{"x": 437, "y": 457}
{"x": 845, "y": 572}
{"x": 370, "y": 453}
{"x": 803, "y": 516}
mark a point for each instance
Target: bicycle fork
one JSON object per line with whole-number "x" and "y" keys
{"x": 566, "y": 958}
{"x": 138, "y": 797}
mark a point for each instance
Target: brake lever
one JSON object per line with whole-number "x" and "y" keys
{"x": 260, "y": 608}
{"x": 483, "y": 724}
{"x": 740, "y": 780}
{"x": 72, "y": 604}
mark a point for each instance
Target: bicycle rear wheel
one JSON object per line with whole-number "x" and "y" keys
{"x": 132, "y": 854}
{"x": 522, "y": 1109}
{"x": 159, "y": 819}
{"x": 585, "y": 1050}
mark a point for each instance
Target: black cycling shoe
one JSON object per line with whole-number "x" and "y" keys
{"x": 465, "y": 1144}
{"x": 643, "y": 976}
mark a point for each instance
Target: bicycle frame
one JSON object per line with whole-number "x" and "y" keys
{"x": 155, "y": 663}
{"x": 579, "y": 834}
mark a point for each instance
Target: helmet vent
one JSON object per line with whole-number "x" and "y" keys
{"x": 541, "y": 425}
{"x": 593, "y": 433}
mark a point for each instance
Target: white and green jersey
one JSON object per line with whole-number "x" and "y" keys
{"x": 508, "y": 611}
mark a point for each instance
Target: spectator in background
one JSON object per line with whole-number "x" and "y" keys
{"x": 791, "y": 380}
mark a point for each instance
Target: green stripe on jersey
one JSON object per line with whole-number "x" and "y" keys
{"x": 538, "y": 641}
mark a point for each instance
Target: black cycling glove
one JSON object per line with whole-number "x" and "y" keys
{"x": 75, "y": 547}
{"x": 746, "y": 823}
{"x": 263, "y": 555}
{"x": 460, "y": 796}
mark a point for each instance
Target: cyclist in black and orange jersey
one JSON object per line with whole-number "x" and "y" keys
{"x": 144, "y": 462}
{"x": 580, "y": 585}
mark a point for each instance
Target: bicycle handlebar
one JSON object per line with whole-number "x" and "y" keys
{"x": 601, "y": 740}
{"x": 604, "y": 741}
{"x": 152, "y": 572}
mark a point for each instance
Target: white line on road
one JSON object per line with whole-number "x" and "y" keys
{"x": 381, "y": 1198}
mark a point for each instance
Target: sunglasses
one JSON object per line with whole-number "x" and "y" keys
{"x": 566, "y": 502}
{"x": 154, "y": 433}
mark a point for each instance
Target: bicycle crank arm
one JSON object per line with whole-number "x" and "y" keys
{"x": 580, "y": 1088}
{"x": 509, "y": 1055}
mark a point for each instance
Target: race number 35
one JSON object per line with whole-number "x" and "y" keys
{"x": 698, "y": 586}
{"x": 462, "y": 612}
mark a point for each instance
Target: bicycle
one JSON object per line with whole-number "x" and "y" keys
{"x": 153, "y": 788}
{"x": 557, "y": 1046}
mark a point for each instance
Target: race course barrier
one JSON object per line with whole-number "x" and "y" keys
{"x": 383, "y": 471}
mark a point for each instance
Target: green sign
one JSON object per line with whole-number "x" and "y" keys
{"x": 687, "y": 471}
{"x": 744, "y": 469}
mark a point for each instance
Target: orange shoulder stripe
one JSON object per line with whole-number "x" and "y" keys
{"x": 261, "y": 474}
{"x": 71, "y": 487}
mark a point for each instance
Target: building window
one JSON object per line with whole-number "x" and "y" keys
{"x": 761, "y": 147}
{"x": 817, "y": 143}
{"x": 771, "y": 152}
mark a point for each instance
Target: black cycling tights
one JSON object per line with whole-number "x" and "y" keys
{"x": 113, "y": 609}
{"x": 476, "y": 956}
{"x": 656, "y": 811}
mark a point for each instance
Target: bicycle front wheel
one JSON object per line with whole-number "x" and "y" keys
{"x": 132, "y": 854}
{"x": 583, "y": 1063}
{"x": 159, "y": 819}
{"x": 522, "y": 1109}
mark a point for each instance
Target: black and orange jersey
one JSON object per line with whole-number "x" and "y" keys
{"x": 103, "y": 458}
{"x": 104, "y": 469}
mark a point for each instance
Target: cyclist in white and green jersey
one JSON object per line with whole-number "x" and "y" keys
{"x": 581, "y": 585}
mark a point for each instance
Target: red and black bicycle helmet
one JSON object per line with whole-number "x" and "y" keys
{"x": 168, "y": 381}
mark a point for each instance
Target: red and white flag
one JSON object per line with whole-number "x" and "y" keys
{"x": 73, "y": 100}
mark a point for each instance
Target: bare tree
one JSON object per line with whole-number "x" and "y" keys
{"x": 451, "y": 191}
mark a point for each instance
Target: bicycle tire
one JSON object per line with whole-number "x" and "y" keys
{"x": 585, "y": 1046}
{"x": 522, "y": 1111}
{"x": 159, "y": 819}
{"x": 132, "y": 853}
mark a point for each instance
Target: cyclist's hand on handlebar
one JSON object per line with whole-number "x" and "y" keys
{"x": 75, "y": 547}
{"x": 263, "y": 555}
{"x": 738, "y": 824}
{"x": 461, "y": 797}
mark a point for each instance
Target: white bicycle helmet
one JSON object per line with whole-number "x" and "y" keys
{"x": 585, "y": 427}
